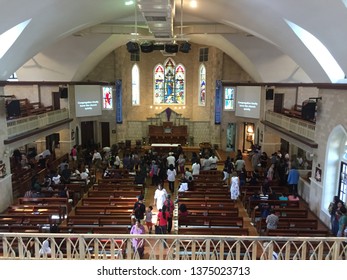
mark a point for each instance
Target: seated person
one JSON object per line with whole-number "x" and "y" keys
{"x": 283, "y": 198}
{"x": 183, "y": 186}
{"x": 188, "y": 175}
{"x": 56, "y": 179}
{"x": 293, "y": 197}
{"x": 85, "y": 176}
{"x": 182, "y": 210}
{"x": 65, "y": 175}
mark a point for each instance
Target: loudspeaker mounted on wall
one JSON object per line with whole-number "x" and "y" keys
{"x": 270, "y": 94}
{"x": 63, "y": 92}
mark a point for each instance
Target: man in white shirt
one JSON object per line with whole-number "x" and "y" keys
{"x": 171, "y": 159}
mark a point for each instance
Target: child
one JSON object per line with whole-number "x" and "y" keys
{"x": 148, "y": 215}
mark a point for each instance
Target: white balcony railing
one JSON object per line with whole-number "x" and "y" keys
{"x": 27, "y": 124}
{"x": 170, "y": 247}
{"x": 300, "y": 127}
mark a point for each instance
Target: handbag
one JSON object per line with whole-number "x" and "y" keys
{"x": 151, "y": 173}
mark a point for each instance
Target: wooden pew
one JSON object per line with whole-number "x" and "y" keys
{"x": 273, "y": 203}
{"x": 298, "y": 232}
{"x": 284, "y": 212}
{"x": 229, "y": 231}
{"x": 102, "y": 209}
{"x": 232, "y": 212}
{"x": 129, "y": 180}
{"x": 95, "y": 229}
{"x": 101, "y": 220}
{"x": 107, "y": 200}
{"x": 21, "y": 228}
{"x": 100, "y": 193}
{"x": 42, "y": 200}
{"x": 59, "y": 210}
{"x": 210, "y": 221}
{"x": 290, "y": 223}
{"x": 208, "y": 205}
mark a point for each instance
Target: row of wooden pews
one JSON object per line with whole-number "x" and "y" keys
{"x": 34, "y": 214}
{"x": 295, "y": 218}
{"x": 106, "y": 208}
{"x": 211, "y": 211}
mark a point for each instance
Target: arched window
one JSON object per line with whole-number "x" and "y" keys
{"x": 169, "y": 83}
{"x": 202, "y": 85}
{"x": 135, "y": 85}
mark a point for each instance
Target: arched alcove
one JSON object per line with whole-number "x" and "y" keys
{"x": 334, "y": 154}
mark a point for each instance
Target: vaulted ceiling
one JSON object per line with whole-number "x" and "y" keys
{"x": 65, "y": 39}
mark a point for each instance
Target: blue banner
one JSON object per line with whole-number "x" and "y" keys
{"x": 218, "y": 102}
{"x": 119, "y": 97}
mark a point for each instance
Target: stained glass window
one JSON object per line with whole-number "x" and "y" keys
{"x": 202, "y": 85}
{"x": 107, "y": 98}
{"x": 169, "y": 83}
{"x": 135, "y": 85}
{"x": 229, "y": 98}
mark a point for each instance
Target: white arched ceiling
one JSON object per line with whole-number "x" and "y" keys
{"x": 273, "y": 54}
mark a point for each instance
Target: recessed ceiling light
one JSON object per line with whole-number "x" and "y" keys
{"x": 128, "y": 3}
{"x": 193, "y": 4}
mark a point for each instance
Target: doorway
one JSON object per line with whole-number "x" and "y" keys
{"x": 56, "y": 100}
{"x": 248, "y": 137}
{"x": 278, "y": 103}
{"x": 105, "y": 134}
{"x": 231, "y": 137}
{"x": 87, "y": 135}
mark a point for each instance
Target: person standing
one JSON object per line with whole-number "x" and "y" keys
{"x": 149, "y": 216}
{"x": 234, "y": 186}
{"x": 162, "y": 221}
{"x": 171, "y": 178}
{"x": 196, "y": 168}
{"x": 139, "y": 209}
{"x": 181, "y": 161}
{"x": 170, "y": 209}
{"x": 293, "y": 179}
{"x": 213, "y": 162}
{"x": 138, "y": 243}
{"x": 160, "y": 195}
{"x": 332, "y": 210}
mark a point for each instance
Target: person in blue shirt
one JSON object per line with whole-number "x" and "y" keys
{"x": 293, "y": 179}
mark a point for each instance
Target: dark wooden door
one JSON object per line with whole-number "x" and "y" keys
{"x": 87, "y": 135}
{"x": 278, "y": 102}
{"x": 56, "y": 100}
{"x": 105, "y": 134}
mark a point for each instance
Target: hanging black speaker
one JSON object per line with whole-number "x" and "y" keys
{"x": 147, "y": 47}
{"x": 63, "y": 92}
{"x": 185, "y": 47}
{"x": 171, "y": 48}
{"x": 13, "y": 109}
{"x": 132, "y": 47}
{"x": 270, "y": 94}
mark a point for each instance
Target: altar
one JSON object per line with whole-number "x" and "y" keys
{"x": 168, "y": 127}
{"x": 168, "y": 134}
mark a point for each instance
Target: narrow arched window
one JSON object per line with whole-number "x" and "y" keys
{"x": 202, "y": 85}
{"x": 135, "y": 85}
